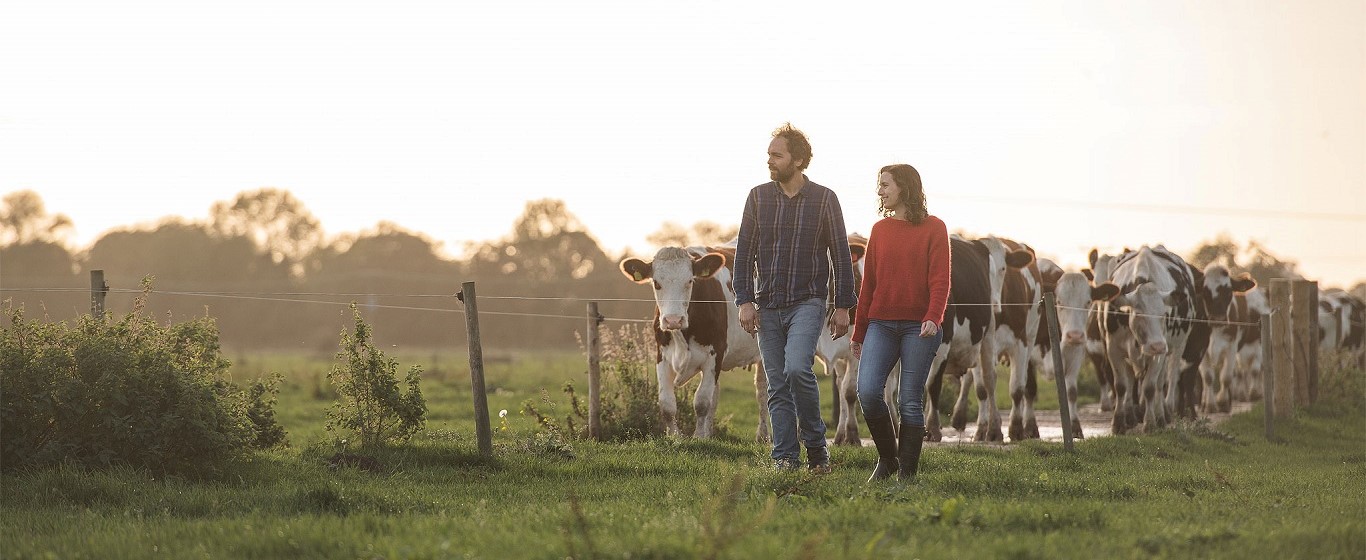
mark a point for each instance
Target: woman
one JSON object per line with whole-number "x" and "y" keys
{"x": 900, "y": 307}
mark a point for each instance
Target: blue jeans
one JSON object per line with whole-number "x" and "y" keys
{"x": 884, "y": 344}
{"x": 787, "y": 340}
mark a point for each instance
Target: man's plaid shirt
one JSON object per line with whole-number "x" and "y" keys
{"x": 791, "y": 242}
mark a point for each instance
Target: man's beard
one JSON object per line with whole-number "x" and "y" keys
{"x": 780, "y": 175}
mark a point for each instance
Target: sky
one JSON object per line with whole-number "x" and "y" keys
{"x": 1064, "y": 125}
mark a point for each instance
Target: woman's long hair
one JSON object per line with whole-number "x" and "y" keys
{"x": 912, "y": 192}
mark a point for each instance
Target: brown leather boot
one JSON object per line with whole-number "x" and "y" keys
{"x": 885, "y": 440}
{"x": 908, "y": 452}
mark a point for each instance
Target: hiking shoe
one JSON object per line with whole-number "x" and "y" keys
{"x": 786, "y": 465}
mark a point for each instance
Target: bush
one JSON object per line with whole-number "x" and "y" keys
{"x": 629, "y": 393}
{"x": 126, "y": 392}
{"x": 370, "y": 408}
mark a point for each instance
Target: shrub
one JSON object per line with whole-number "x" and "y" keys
{"x": 125, "y": 392}
{"x": 371, "y": 409}
{"x": 629, "y": 393}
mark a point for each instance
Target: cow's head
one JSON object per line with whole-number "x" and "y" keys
{"x": 1147, "y": 306}
{"x": 1074, "y": 296}
{"x": 673, "y": 272}
{"x": 1218, "y": 287}
{"x": 1001, "y": 257}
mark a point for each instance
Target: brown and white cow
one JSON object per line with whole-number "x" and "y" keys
{"x": 838, "y": 361}
{"x": 1016, "y": 289}
{"x": 1102, "y": 268}
{"x": 1074, "y": 296}
{"x": 697, "y": 330}
{"x": 1218, "y": 372}
{"x": 1341, "y": 328}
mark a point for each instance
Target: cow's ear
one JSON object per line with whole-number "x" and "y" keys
{"x": 708, "y": 264}
{"x": 1019, "y": 258}
{"x": 1090, "y": 276}
{"x": 636, "y": 270}
{"x": 1106, "y": 291}
{"x": 856, "y": 252}
{"x": 1092, "y": 257}
{"x": 1243, "y": 283}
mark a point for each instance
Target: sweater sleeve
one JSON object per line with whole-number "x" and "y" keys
{"x": 865, "y": 297}
{"x": 939, "y": 274}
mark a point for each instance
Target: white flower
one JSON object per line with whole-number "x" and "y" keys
{"x": 503, "y": 413}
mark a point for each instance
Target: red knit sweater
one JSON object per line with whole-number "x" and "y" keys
{"x": 905, "y": 273}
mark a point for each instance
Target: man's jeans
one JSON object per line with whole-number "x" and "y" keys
{"x": 787, "y": 339}
{"x": 883, "y": 344}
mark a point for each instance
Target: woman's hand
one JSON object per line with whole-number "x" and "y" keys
{"x": 856, "y": 348}
{"x": 928, "y": 329}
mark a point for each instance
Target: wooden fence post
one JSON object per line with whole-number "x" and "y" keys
{"x": 594, "y": 371}
{"x": 1283, "y": 400}
{"x": 482, "y": 429}
{"x": 1306, "y": 337}
{"x": 97, "y": 291}
{"x": 1050, "y": 305}
{"x": 1268, "y": 374}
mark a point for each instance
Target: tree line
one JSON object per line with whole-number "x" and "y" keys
{"x": 259, "y": 264}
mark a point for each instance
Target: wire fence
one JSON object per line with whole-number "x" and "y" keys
{"x": 291, "y": 297}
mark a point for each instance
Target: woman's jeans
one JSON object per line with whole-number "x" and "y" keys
{"x": 884, "y": 344}
{"x": 787, "y": 340}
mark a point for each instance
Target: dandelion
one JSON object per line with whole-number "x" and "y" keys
{"x": 503, "y": 413}
{"x": 503, "y": 425}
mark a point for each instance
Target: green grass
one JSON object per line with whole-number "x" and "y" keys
{"x": 1193, "y": 491}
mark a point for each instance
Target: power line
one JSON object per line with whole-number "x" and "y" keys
{"x": 1160, "y": 208}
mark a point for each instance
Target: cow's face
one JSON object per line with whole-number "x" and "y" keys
{"x": 673, "y": 272}
{"x": 1218, "y": 289}
{"x": 1074, "y": 296}
{"x": 1001, "y": 260}
{"x": 1147, "y": 306}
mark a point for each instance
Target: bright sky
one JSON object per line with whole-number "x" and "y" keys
{"x": 1065, "y": 125}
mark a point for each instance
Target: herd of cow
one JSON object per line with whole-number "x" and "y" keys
{"x": 1164, "y": 338}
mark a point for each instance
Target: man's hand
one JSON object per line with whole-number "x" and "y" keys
{"x": 856, "y": 348}
{"x": 749, "y": 318}
{"x": 928, "y": 329}
{"x": 839, "y": 324}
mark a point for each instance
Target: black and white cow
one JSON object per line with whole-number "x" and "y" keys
{"x": 1219, "y": 369}
{"x": 697, "y": 330}
{"x": 1146, "y": 329}
{"x": 966, "y": 345}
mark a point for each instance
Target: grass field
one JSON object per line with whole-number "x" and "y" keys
{"x": 1193, "y": 491}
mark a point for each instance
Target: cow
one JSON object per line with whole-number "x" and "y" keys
{"x": 1016, "y": 289}
{"x": 966, "y": 345}
{"x": 697, "y": 330}
{"x": 839, "y": 362}
{"x": 1246, "y": 312}
{"x": 1102, "y": 268}
{"x": 1219, "y": 370}
{"x": 1146, "y": 329}
{"x": 1341, "y": 317}
{"x": 1074, "y": 295}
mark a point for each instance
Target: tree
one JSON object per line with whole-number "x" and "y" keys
{"x": 708, "y": 233}
{"x": 548, "y": 245}
{"x": 24, "y": 219}
{"x": 1254, "y": 259}
{"x": 275, "y": 221}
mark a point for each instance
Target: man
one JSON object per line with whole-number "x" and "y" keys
{"x": 791, "y": 232}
